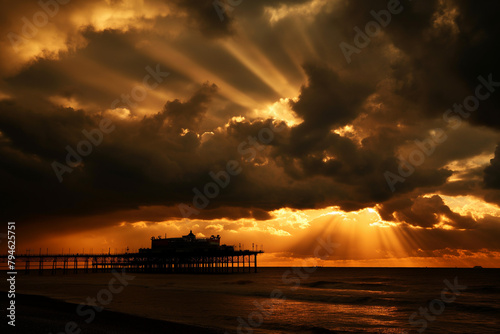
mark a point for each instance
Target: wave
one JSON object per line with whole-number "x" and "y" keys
{"x": 354, "y": 299}
{"x": 356, "y": 286}
{"x": 303, "y": 329}
{"x": 240, "y": 282}
{"x": 487, "y": 289}
{"x": 476, "y": 308}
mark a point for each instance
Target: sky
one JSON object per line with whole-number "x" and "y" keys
{"x": 274, "y": 124}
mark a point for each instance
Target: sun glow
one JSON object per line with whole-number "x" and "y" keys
{"x": 279, "y": 110}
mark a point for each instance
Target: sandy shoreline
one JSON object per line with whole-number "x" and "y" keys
{"x": 39, "y": 314}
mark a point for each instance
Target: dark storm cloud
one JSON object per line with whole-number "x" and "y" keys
{"x": 215, "y": 19}
{"x": 328, "y": 100}
{"x": 145, "y": 162}
{"x": 149, "y": 215}
{"x": 203, "y": 15}
{"x": 479, "y": 54}
{"x": 184, "y": 115}
{"x": 424, "y": 212}
{"x": 445, "y": 46}
{"x": 492, "y": 172}
{"x": 447, "y": 54}
{"x": 152, "y": 162}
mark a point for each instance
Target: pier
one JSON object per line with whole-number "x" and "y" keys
{"x": 187, "y": 254}
{"x": 208, "y": 262}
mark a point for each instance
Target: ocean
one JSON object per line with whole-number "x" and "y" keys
{"x": 298, "y": 300}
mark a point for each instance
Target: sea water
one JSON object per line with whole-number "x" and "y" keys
{"x": 302, "y": 300}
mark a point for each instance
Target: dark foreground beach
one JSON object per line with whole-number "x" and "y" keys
{"x": 39, "y": 314}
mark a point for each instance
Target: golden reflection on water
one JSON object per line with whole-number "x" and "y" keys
{"x": 326, "y": 315}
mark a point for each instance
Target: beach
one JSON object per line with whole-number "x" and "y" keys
{"x": 39, "y": 314}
